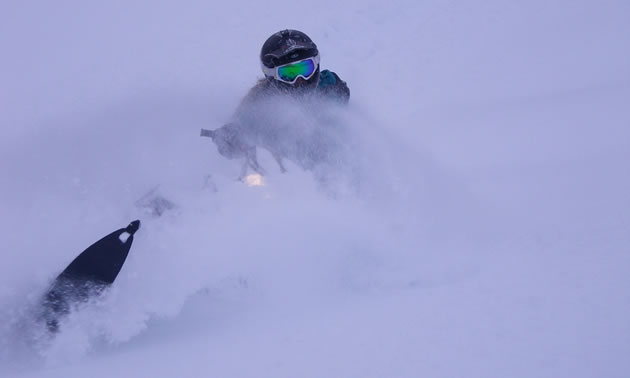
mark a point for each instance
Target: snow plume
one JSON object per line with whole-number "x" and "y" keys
{"x": 301, "y": 239}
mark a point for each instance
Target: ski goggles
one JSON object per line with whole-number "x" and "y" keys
{"x": 289, "y": 73}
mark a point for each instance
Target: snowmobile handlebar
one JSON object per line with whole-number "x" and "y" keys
{"x": 208, "y": 133}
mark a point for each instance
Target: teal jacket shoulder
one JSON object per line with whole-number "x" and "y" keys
{"x": 332, "y": 86}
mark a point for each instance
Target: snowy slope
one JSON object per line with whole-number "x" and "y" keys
{"x": 489, "y": 236}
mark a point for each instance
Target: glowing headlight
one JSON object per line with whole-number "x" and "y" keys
{"x": 254, "y": 179}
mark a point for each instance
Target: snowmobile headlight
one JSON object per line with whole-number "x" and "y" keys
{"x": 254, "y": 179}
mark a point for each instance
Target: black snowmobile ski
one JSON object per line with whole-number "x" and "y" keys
{"x": 88, "y": 274}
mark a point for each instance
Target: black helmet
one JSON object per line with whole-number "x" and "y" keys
{"x": 288, "y": 46}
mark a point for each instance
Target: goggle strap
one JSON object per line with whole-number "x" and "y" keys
{"x": 268, "y": 71}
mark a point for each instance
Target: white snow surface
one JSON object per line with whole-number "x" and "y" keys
{"x": 481, "y": 227}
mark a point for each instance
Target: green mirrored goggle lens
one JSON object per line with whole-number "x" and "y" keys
{"x": 290, "y": 72}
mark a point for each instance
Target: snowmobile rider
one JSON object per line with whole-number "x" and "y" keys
{"x": 290, "y": 62}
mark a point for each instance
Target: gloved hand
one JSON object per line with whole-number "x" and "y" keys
{"x": 229, "y": 142}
